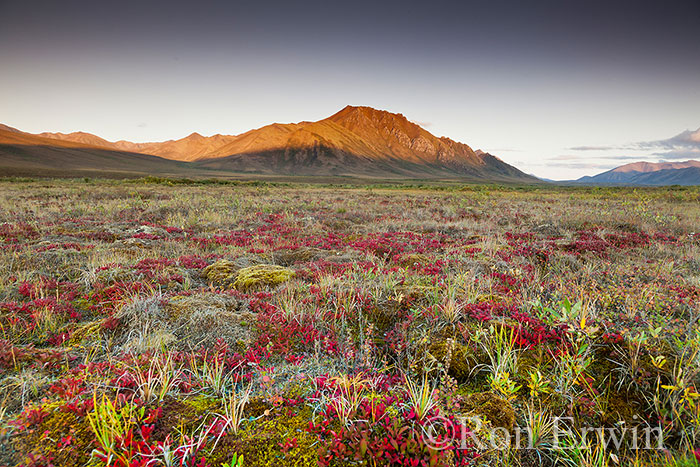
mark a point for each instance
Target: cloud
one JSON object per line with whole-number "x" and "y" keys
{"x": 593, "y": 148}
{"x": 583, "y": 165}
{"x": 687, "y": 142}
{"x": 683, "y": 146}
{"x": 576, "y": 165}
{"x": 680, "y": 154}
{"x": 625, "y": 158}
{"x": 686, "y": 139}
{"x": 564, "y": 157}
{"x": 573, "y": 157}
{"x": 497, "y": 150}
{"x": 628, "y": 158}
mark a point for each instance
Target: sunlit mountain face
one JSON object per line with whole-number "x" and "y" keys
{"x": 356, "y": 141}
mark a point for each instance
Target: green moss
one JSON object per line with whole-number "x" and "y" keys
{"x": 488, "y": 406}
{"x": 261, "y": 275}
{"x": 85, "y": 332}
{"x": 63, "y": 437}
{"x": 528, "y": 361}
{"x": 457, "y": 357}
{"x": 384, "y": 317}
{"x": 183, "y": 414}
{"x": 279, "y": 438}
{"x": 223, "y": 272}
{"x": 620, "y": 406}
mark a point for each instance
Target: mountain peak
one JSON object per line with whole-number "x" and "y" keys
{"x": 364, "y": 111}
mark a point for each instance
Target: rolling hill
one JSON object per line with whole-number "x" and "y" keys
{"x": 24, "y": 153}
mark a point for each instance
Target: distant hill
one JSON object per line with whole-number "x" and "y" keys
{"x": 25, "y": 153}
{"x": 9, "y": 128}
{"x": 649, "y": 173}
{"x": 357, "y": 141}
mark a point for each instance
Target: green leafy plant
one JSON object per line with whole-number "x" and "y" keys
{"x": 421, "y": 395}
{"x": 236, "y": 461}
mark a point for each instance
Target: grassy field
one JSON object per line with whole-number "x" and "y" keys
{"x": 160, "y": 323}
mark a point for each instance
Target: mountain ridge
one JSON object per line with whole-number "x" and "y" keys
{"x": 22, "y": 152}
{"x": 357, "y": 140}
{"x": 648, "y": 173}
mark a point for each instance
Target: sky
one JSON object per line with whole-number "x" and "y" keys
{"x": 560, "y": 89}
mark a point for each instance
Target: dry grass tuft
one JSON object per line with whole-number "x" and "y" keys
{"x": 185, "y": 323}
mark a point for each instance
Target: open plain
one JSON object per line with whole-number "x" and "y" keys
{"x": 150, "y": 322}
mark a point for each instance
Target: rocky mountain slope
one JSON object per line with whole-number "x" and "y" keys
{"x": 357, "y": 141}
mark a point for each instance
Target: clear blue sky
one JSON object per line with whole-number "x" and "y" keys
{"x": 560, "y": 89}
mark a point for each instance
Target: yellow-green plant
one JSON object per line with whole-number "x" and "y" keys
{"x": 422, "y": 396}
{"x": 451, "y": 311}
{"x": 538, "y": 384}
{"x": 110, "y": 422}
{"x": 157, "y": 380}
{"x": 571, "y": 367}
{"x": 503, "y": 385}
{"x": 236, "y": 461}
{"x": 682, "y": 401}
{"x": 498, "y": 343}
{"x": 351, "y": 392}
{"x": 212, "y": 372}
{"x": 629, "y": 365}
{"x": 540, "y": 429}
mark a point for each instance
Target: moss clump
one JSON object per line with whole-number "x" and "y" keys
{"x": 203, "y": 319}
{"x": 114, "y": 275}
{"x": 530, "y": 360}
{"x": 279, "y": 438}
{"x": 384, "y": 317}
{"x": 63, "y": 437}
{"x": 183, "y": 322}
{"x": 87, "y": 332}
{"x": 223, "y": 272}
{"x": 186, "y": 415}
{"x": 622, "y": 406}
{"x": 490, "y": 298}
{"x": 454, "y": 355}
{"x": 488, "y": 406}
{"x": 261, "y": 275}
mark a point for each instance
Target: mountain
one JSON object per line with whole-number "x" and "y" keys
{"x": 24, "y": 153}
{"x": 649, "y": 173}
{"x": 77, "y": 137}
{"x": 356, "y": 141}
{"x": 190, "y": 148}
{"x": 9, "y": 128}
